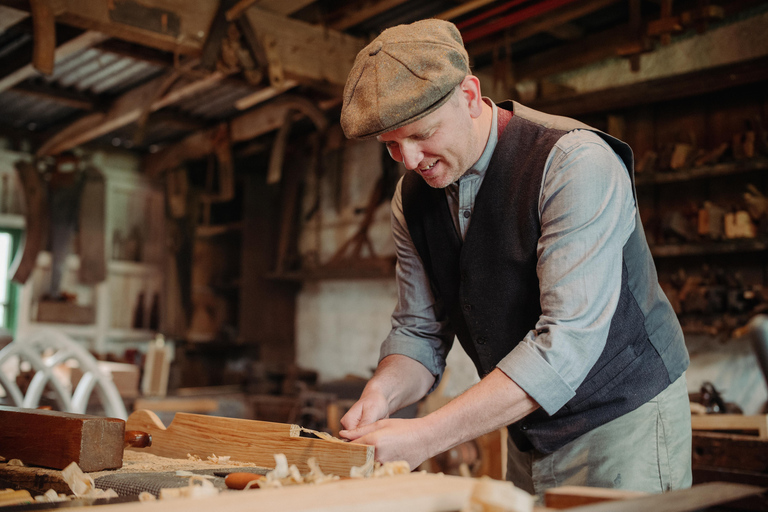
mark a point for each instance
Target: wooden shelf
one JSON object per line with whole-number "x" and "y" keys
{"x": 375, "y": 268}
{"x": 729, "y": 247}
{"x": 709, "y": 171}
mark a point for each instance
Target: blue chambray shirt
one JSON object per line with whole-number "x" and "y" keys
{"x": 587, "y": 213}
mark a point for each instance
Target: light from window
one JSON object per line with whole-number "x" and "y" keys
{"x": 5, "y": 261}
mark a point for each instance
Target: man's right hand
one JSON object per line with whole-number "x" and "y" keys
{"x": 372, "y": 407}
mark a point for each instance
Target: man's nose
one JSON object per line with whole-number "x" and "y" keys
{"x": 412, "y": 156}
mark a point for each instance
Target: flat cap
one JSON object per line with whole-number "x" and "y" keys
{"x": 401, "y": 76}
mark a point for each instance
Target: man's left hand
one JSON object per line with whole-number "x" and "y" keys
{"x": 395, "y": 439}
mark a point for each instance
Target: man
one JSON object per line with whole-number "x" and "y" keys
{"x": 518, "y": 233}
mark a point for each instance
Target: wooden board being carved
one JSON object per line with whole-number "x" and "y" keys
{"x": 54, "y": 439}
{"x": 246, "y": 441}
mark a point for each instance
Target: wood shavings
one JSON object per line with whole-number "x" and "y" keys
{"x": 362, "y": 471}
{"x": 284, "y": 475}
{"x": 2, "y": 459}
{"x": 146, "y": 496}
{"x": 15, "y": 462}
{"x": 193, "y": 458}
{"x": 219, "y": 460}
{"x": 13, "y": 497}
{"x": 296, "y": 431}
{"x": 397, "y": 467}
{"x": 198, "y": 487}
{"x": 51, "y": 496}
{"x": 82, "y": 485}
{"x": 489, "y": 495}
{"x": 316, "y": 475}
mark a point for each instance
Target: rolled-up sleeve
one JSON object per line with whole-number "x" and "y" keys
{"x": 587, "y": 213}
{"x": 419, "y": 326}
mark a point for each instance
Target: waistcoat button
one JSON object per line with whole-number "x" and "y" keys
{"x": 481, "y": 340}
{"x": 467, "y": 307}
{"x": 466, "y": 214}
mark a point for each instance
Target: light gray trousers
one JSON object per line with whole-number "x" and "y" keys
{"x": 648, "y": 449}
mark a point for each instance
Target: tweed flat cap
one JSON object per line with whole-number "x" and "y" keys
{"x": 401, "y": 76}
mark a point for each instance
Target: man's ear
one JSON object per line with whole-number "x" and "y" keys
{"x": 470, "y": 88}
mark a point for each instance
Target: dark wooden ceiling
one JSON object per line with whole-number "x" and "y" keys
{"x": 165, "y": 76}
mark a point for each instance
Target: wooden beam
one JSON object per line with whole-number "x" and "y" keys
{"x": 245, "y": 127}
{"x": 44, "y": 28}
{"x": 305, "y": 52}
{"x": 125, "y": 110}
{"x": 78, "y": 44}
{"x": 172, "y": 25}
{"x": 358, "y": 13}
{"x": 285, "y": 7}
{"x": 60, "y": 96}
{"x": 574, "y": 55}
{"x": 460, "y": 10}
{"x": 661, "y": 89}
{"x": 542, "y": 23}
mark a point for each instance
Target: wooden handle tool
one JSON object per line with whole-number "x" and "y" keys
{"x": 137, "y": 439}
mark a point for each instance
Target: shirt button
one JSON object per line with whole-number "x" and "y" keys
{"x": 466, "y": 214}
{"x": 523, "y": 427}
{"x": 467, "y": 307}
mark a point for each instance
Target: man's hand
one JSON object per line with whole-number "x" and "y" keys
{"x": 398, "y": 381}
{"x": 371, "y": 407}
{"x": 395, "y": 439}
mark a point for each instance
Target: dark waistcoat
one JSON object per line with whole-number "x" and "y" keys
{"x": 490, "y": 289}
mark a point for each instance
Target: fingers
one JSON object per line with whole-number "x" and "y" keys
{"x": 352, "y": 419}
{"x": 357, "y": 433}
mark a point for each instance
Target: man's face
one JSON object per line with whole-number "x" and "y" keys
{"x": 441, "y": 147}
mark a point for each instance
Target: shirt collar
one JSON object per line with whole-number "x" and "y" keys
{"x": 479, "y": 168}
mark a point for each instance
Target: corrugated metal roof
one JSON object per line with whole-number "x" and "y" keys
{"x": 102, "y": 72}
{"x": 31, "y": 113}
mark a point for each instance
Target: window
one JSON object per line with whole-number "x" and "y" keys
{"x": 9, "y": 242}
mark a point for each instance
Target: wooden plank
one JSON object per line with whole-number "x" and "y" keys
{"x": 171, "y": 25}
{"x": 696, "y": 498}
{"x": 54, "y": 439}
{"x": 125, "y": 110}
{"x": 573, "y": 496}
{"x": 79, "y": 43}
{"x": 245, "y": 440}
{"x": 756, "y": 423}
{"x": 305, "y": 51}
{"x": 413, "y": 493}
{"x": 730, "y": 451}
